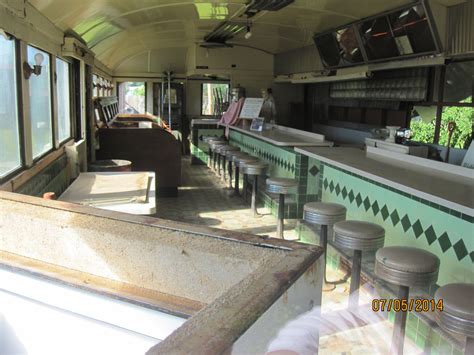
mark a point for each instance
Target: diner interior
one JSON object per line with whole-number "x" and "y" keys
{"x": 236, "y": 177}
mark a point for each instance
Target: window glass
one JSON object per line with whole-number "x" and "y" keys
{"x": 64, "y": 102}
{"x": 412, "y": 31}
{"x": 214, "y": 97}
{"x": 463, "y": 118}
{"x": 339, "y": 48}
{"x": 423, "y": 123}
{"x": 40, "y": 103}
{"x": 377, "y": 37}
{"x": 132, "y": 97}
{"x": 95, "y": 82}
{"x": 459, "y": 84}
{"x": 10, "y": 157}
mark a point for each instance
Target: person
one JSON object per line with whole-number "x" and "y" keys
{"x": 268, "y": 111}
{"x": 301, "y": 336}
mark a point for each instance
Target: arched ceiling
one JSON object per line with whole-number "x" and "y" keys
{"x": 118, "y": 29}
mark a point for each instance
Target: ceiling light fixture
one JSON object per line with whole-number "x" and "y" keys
{"x": 36, "y": 69}
{"x": 249, "y": 33}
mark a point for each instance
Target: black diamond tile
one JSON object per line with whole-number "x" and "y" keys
{"x": 444, "y": 242}
{"x": 384, "y": 212}
{"x": 406, "y": 224}
{"x": 326, "y": 184}
{"x": 471, "y": 254}
{"x": 395, "y": 218}
{"x": 331, "y": 186}
{"x": 460, "y": 249}
{"x": 351, "y": 196}
{"x": 417, "y": 228}
{"x": 358, "y": 200}
{"x": 375, "y": 208}
{"x": 314, "y": 170}
{"x": 338, "y": 189}
{"x": 366, "y": 203}
{"x": 344, "y": 193}
{"x": 430, "y": 235}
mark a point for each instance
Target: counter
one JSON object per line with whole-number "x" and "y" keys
{"x": 201, "y": 128}
{"x": 416, "y": 207}
{"x": 286, "y": 137}
{"x": 276, "y": 147}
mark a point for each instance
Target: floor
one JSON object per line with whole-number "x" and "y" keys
{"x": 205, "y": 199}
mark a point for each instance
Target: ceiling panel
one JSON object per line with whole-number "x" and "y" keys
{"x": 113, "y": 28}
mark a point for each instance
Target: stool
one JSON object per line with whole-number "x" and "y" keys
{"x": 406, "y": 267}
{"x": 254, "y": 169}
{"x": 238, "y": 164}
{"x": 324, "y": 214}
{"x": 358, "y": 236}
{"x": 208, "y": 140}
{"x": 214, "y": 146}
{"x": 223, "y": 152}
{"x": 457, "y": 313}
{"x": 231, "y": 155}
{"x": 282, "y": 187}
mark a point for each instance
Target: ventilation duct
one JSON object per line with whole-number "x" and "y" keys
{"x": 225, "y": 31}
{"x": 255, "y": 6}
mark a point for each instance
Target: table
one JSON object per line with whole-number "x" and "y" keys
{"x": 129, "y": 192}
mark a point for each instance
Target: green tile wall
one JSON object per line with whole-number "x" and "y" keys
{"x": 199, "y": 149}
{"x": 407, "y": 221}
{"x": 283, "y": 162}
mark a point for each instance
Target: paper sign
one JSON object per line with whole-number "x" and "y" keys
{"x": 251, "y": 108}
{"x": 257, "y": 124}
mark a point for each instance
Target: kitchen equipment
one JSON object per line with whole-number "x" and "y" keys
{"x": 402, "y": 135}
{"x": 392, "y": 133}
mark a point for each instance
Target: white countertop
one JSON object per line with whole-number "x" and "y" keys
{"x": 457, "y": 195}
{"x": 198, "y": 121}
{"x": 287, "y": 137}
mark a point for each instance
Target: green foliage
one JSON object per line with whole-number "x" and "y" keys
{"x": 463, "y": 116}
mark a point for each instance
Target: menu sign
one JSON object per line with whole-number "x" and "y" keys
{"x": 251, "y": 108}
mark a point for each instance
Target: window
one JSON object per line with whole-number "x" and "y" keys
{"x": 95, "y": 83}
{"x": 132, "y": 97}
{"x": 215, "y": 97}
{"x": 64, "y": 99}
{"x": 40, "y": 103}
{"x": 457, "y": 106}
{"x": 10, "y": 156}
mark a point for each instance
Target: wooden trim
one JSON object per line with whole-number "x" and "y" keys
{"x": 24, "y": 176}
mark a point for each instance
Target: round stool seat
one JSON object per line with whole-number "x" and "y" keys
{"x": 214, "y": 145}
{"x": 231, "y": 154}
{"x": 227, "y": 148}
{"x": 281, "y": 185}
{"x": 207, "y": 139}
{"x": 253, "y": 168}
{"x": 359, "y": 235}
{"x": 324, "y": 213}
{"x": 243, "y": 160}
{"x": 406, "y": 266}
{"x": 457, "y": 315}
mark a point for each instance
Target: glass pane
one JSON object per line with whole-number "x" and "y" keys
{"x": 459, "y": 85}
{"x": 40, "y": 103}
{"x": 132, "y": 97}
{"x": 412, "y": 31}
{"x": 339, "y": 48}
{"x": 423, "y": 122}
{"x": 95, "y": 82}
{"x": 9, "y": 132}
{"x": 214, "y": 98}
{"x": 378, "y": 40}
{"x": 63, "y": 94}
{"x": 463, "y": 118}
